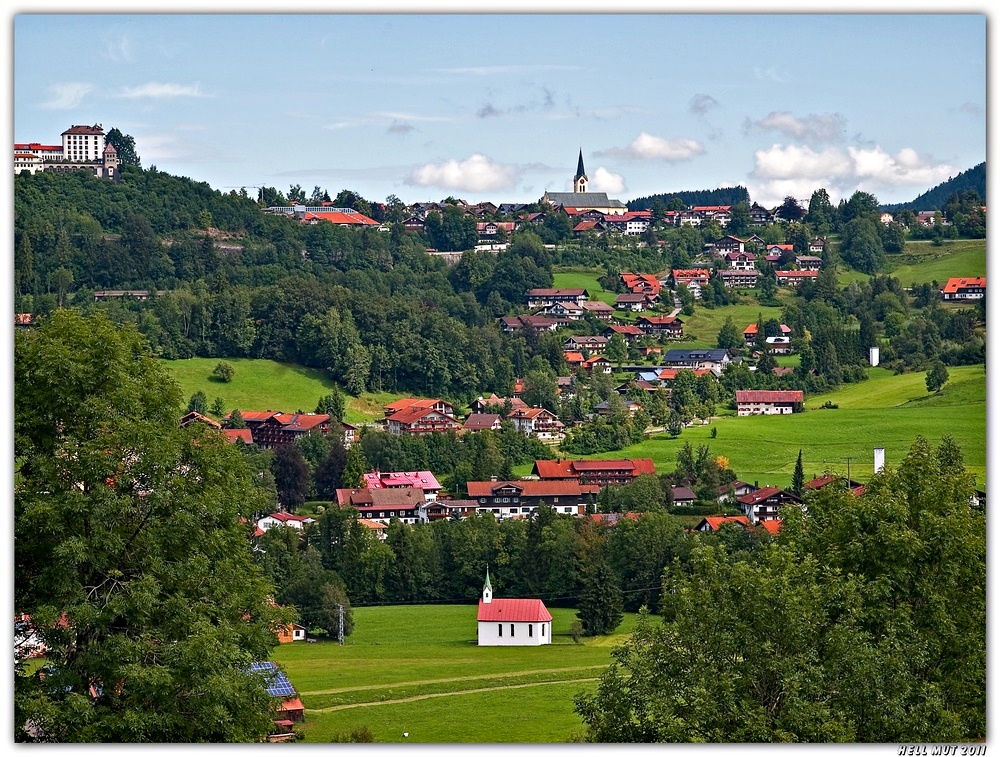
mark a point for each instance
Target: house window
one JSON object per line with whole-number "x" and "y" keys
{"x": 530, "y": 630}
{"x": 512, "y": 630}
{"x": 543, "y": 629}
{"x": 499, "y": 629}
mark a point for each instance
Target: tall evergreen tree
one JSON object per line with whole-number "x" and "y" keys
{"x": 601, "y": 604}
{"x": 798, "y": 477}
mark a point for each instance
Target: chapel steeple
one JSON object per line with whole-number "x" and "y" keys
{"x": 487, "y": 588}
{"x": 580, "y": 180}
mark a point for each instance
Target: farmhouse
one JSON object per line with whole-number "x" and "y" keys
{"x": 595, "y": 472}
{"x": 964, "y": 289}
{"x": 512, "y": 622}
{"x": 538, "y": 298}
{"x": 764, "y": 504}
{"x": 538, "y": 422}
{"x": 407, "y": 504}
{"x": 762, "y": 402}
{"x": 290, "y": 709}
{"x": 794, "y": 278}
{"x": 693, "y": 359}
{"x": 520, "y": 499}
{"x": 713, "y": 523}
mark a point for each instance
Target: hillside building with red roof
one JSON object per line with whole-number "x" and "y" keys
{"x": 594, "y": 472}
{"x": 763, "y": 402}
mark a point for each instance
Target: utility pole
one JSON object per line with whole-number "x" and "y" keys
{"x": 848, "y": 485}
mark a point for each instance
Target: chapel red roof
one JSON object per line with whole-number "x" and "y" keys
{"x": 513, "y": 611}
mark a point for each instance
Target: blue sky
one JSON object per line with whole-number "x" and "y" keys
{"x": 497, "y": 106}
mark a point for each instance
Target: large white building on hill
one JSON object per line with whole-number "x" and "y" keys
{"x": 83, "y": 147}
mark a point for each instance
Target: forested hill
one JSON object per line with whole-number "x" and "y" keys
{"x": 369, "y": 307}
{"x": 937, "y": 198}
{"x": 724, "y": 196}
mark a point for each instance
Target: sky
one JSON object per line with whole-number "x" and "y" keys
{"x": 498, "y": 106}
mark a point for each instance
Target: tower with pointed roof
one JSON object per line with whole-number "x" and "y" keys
{"x": 580, "y": 180}
{"x": 487, "y": 588}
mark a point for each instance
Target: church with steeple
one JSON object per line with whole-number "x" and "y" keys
{"x": 580, "y": 199}
{"x": 512, "y": 622}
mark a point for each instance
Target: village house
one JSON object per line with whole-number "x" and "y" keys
{"x": 764, "y": 402}
{"x": 713, "y": 523}
{"x": 631, "y": 408}
{"x": 450, "y": 509}
{"x": 794, "y": 278}
{"x": 595, "y": 472}
{"x": 289, "y": 709}
{"x": 741, "y": 261}
{"x": 563, "y": 312}
{"x": 420, "y": 420}
{"x": 959, "y": 289}
{"x": 629, "y": 331}
{"x": 494, "y": 404}
{"x": 712, "y": 359}
{"x": 597, "y": 363}
{"x": 734, "y": 279}
{"x": 482, "y": 422}
{"x": 635, "y": 301}
{"x": 291, "y": 633}
{"x": 291, "y": 520}
{"x": 423, "y": 480}
{"x": 734, "y": 489}
{"x": 595, "y": 345}
{"x": 511, "y": 622}
{"x": 645, "y": 283}
{"x": 750, "y": 333}
{"x": 537, "y": 323}
{"x": 808, "y": 262}
{"x": 728, "y": 244}
{"x": 765, "y": 503}
{"x": 405, "y": 503}
{"x": 828, "y": 479}
{"x": 682, "y": 495}
{"x": 521, "y": 499}
{"x": 539, "y": 298}
{"x": 538, "y": 422}
{"x": 600, "y": 310}
{"x": 687, "y": 276}
{"x": 817, "y": 244}
{"x": 666, "y": 326}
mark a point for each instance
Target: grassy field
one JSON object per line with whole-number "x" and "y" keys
{"x": 418, "y": 670}
{"x": 267, "y": 385}
{"x": 583, "y": 279}
{"x": 923, "y": 263}
{"x": 885, "y": 411}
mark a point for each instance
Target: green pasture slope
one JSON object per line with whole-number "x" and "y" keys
{"x": 923, "y": 263}
{"x": 886, "y": 411}
{"x": 418, "y": 670}
{"x": 583, "y": 279}
{"x": 268, "y": 385}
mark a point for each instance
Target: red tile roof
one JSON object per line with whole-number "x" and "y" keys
{"x": 760, "y": 395}
{"x": 241, "y": 434}
{"x": 954, "y": 285}
{"x": 714, "y": 521}
{"x": 513, "y": 611}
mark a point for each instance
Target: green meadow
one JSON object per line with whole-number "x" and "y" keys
{"x": 418, "y": 670}
{"x": 269, "y": 385}
{"x": 886, "y": 411}
{"x": 923, "y": 263}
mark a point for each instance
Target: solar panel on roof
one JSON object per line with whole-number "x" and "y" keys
{"x": 278, "y": 684}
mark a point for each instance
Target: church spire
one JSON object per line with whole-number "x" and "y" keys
{"x": 580, "y": 180}
{"x": 487, "y": 588}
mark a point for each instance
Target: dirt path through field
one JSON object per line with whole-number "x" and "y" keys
{"x": 398, "y": 684}
{"x": 449, "y": 693}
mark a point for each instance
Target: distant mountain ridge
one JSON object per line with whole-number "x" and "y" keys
{"x": 936, "y": 198}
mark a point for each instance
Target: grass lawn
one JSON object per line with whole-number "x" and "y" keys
{"x": 418, "y": 669}
{"x": 886, "y": 411}
{"x": 705, "y": 324}
{"x": 268, "y": 385}
{"x": 582, "y": 278}
{"x": 923, "y": 263}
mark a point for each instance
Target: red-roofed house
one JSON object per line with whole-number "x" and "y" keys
{"x": 964, "y": 289}
{"x": 284, "y": 519}
{"x": 407, "y": 504}
{"x": 539, "y": 422}
{"x": 285, "y": 428}
{"x": 750, "y": 333}
{"x": 423, "y": 480}
{"x": 420, "y": 420}
{"x": 794, "y": 278}
{"x": 763, "y": 402}
{"x": 712, "y": 523}
{"x": 512, "y": 622}
{"x": 764, "y": 503}
{"x": 238, "y": 435}
{"x": 594, "y": 472}
{"x": 664, "y": 325}
{"x": 520, "y": 499}
{"x": 482, "y": 422}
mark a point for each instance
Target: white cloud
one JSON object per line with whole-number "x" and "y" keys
{"x": 67, "y": 95}
{"x": 477, "y": 173}
{"x": 155, "y": 90}
{"x": 399, "y": 116}
{"x": 770, "y": 74}
{"x": 646, "y": 147}
{"x": 797, "y": 171}
{"x": 604, "y": 180}
{"x": 827, "y": 127}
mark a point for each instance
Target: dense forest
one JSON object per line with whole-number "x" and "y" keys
{"x": 722, "y": 196}
{"x": 937, "y": 198}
